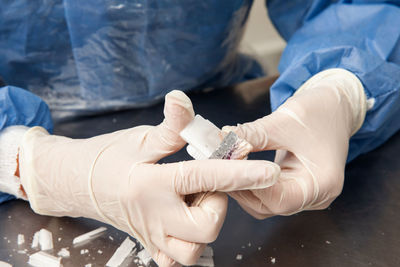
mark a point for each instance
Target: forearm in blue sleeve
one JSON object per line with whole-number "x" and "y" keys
{"x": 20, "y": 107}
{"x": 363, "y": 38}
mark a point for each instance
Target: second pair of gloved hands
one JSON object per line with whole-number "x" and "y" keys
{"x": 115, "y": 177}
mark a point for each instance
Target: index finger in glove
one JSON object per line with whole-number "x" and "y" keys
{"x": 220, "y": 175}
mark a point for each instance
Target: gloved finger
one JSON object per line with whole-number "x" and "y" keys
{"x": 200, "y": 224}
{"x": 287, "y": 196}
{"x": 163, "y": 260}
{"x": 164, "y": 139}
{"x": 251, "y": 204}
{"x": 267, "y": 133}
{"x": 173, "y": 249}
{"x": 217, "y": 175}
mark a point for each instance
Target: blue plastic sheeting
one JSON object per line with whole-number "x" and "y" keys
{"x": 360, "y": 36}
{"x": 89, "y": 56}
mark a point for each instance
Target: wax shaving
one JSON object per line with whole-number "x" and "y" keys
{"x": 20, "y": 239}
{"x": 5, "y": 264}
{"x": 41, "y": 258}
{"x": 144, "y": 257}
{"x": 89, "y": 235}
{"x": 121, "y": 253}
{"x": 45, "y": 239}
{"x": 35, "y": 240}
{"x": 64, "y": 252}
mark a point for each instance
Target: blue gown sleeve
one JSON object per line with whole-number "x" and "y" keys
{"x": 20, "y": 107}
{"x": 360, "y": 36}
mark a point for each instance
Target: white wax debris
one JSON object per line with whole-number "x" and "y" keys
{"x": 328, "y": 242}
{"x": 88, "y": 265}
{"x": 273, "y": 260}
{"x": 206, "y": 259}
{"x": 89, "y": 235}
{"x": 144, "y": 256}
{"x": 41, "y": 258}
{"x": 259, "y": 248}
{"x": 64, "y": 252}
{"x": 59, "y": 239}
{"x": 35, "y": 240}
{"x": 239, "y": 257}
{"x": 45, "y": 239}
{"x": 20, "y": 239}
{"x": 121, "y": 253}
{"x": 5, "y": 264}
{"x": 84, "y": 251}
{"x": 111, "y": 238}
{"x": 21, "y": 252}
{"x": 100, "y": 251}
{"x": 249, "y": 244}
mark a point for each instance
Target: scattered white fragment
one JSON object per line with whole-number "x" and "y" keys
{"x": 45, "y": 239}
{"x": 111, "y": 238}
{"x": 59, "y": 239}
{"x": 206, "y": 259}
{"x": 5, "y": 264}
{"x": 88, "y": 236}
{"x": 20, "y": 239}
{"x": 100, "y": 251}
{"x": 144, "y": 257}
{"x": 328, "y": 242}
{"x": 121, "y": 253}
{"x": 35, "y": 240}
{"x": 64, "y": 252}
{"x": 88, "y": 265}
{"x": 273, "y": 260}
{"x": 205, "y": 262}
{"x": 42, "y": 258}
{"x": 60, "y": 228}
{"x": 21, "y": 252}
{"x": 84, "y": 251}
{"x": 243, "y": 246}
{"x": 249, "y": 244}
{"x": 302, "y": 245}
{"x": 259, "y": 248}
{"x": 239, "y": 257}
{"x": 8, "y": 241}
{"x": 9, "y": 216}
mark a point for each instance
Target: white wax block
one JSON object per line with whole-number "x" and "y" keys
{"x": 5, "y": 264}
{"x": 194, "y": 153}
{"x": 45, "y": 239}
{"x": 121, "y": 253}
{"x": 20, "y": 239}
{"x": 144, "y": 256}
{"x": 41, "y": 258}
{"x": 205, "y": 262}
{"x": 203, "y": 135}
{"x": 35, "y": 240}
{"x": 89, "y": 235}
{"x": 64, "y": 252}
{"x": 208, "y": 252}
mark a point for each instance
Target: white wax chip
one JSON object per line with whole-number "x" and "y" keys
{"x": 89, "y": 235}
{"x": 239, "y": 257}
{"x": 35, "y": 240}
{"x": 45, "y": 239}
{"x": 64, "y": 252}
{"x": 41, "y": 258}
{"x": 88, "y": 265}
{"x": 144, "y": 256}
{"x": 5, "y": 264}
{"x": 121, "y": 253}
{"x": 20, "y": 239}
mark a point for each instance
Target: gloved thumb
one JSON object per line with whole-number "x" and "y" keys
{"x": 164, "y": 139}
{"x": 266, "y": 133}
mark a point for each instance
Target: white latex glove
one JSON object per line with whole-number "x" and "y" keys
{"x": 311, "y": 133}
{"x": 115, "y": 178}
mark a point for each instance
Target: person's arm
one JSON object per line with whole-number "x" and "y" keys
{"x": 19, "y": 110}
{"x": 362, "y": 37}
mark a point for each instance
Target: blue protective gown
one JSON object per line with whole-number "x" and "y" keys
{"x": 86, "y": 56}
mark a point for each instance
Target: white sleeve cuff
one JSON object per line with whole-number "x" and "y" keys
{"x": 349, "y": 84}
{"x": 10, "y": 139}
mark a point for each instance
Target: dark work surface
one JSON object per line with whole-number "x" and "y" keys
{"x": 361, "y": 228}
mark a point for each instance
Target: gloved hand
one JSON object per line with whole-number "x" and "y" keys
{"x": 310, "y": 133}
{"x": 115, "y": 178}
